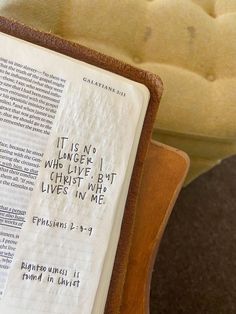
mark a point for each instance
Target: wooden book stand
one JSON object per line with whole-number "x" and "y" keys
{"x": 164, "y": 173}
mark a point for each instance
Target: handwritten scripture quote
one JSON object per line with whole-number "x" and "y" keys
{"x": 79, "y": 171}
{"x": 76, "y": 170}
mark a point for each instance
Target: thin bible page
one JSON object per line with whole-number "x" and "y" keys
{"x": 69, "y": 133}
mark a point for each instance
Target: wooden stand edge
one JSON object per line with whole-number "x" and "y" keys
{"x": 164, "y": 172}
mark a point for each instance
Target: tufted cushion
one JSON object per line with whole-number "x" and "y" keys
{"x": 191, "y": 44}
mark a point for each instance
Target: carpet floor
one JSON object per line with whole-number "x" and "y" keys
{"x": 195, "y": 269}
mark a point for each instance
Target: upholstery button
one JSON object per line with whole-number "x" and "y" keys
{"x": 211, "y": 77}
{"x": 137, "y": 59}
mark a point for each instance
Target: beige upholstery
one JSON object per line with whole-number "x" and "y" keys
{"x": 191, "y": 44}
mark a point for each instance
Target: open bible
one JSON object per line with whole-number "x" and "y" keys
{"x": 74, "y": 130}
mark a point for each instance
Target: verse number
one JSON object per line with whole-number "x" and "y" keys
{"x": 82, "y": 229}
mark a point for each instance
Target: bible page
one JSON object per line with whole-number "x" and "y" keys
{"x": 68, "y": 137}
